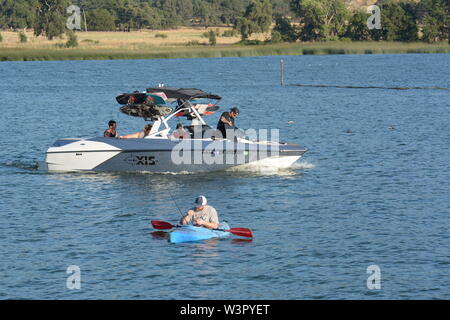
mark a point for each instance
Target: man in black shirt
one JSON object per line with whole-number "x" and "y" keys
{"x": 111, "y": 132}
{"x": 226, "y": 121}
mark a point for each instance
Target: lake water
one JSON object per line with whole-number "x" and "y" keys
{"x": 373, "y": 189}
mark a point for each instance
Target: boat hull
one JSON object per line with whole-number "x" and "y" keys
{"x": 161, "y": 156}
{"x": 191, "y": 233}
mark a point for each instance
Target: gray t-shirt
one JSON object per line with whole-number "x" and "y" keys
{"x": 208, "y": 214}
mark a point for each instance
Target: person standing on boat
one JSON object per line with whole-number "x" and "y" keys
{"x": 201, "y": 215}
{"x": 111, "y": 132}
{"x": 140, "y": 134}
{"x": 226, "y": 121}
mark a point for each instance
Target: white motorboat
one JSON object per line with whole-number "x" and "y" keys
{"x": 203, "y": 149}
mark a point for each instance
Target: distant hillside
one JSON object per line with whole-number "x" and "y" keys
{"x": 359, "y": 4}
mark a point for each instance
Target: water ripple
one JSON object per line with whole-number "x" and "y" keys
{"x": 372, "y": 189}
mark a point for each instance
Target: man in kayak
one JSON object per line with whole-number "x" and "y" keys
{"x": 226, "y": 121}
{"x": 202, "y": 215}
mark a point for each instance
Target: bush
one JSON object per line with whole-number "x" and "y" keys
{"x": 161, "y": 35}
{"x": 252, "y": 42}
{"x": 91, "y": 41}
{"x": 207, "y": 34}
{"x": 229, "y": 33}
{"x": 72, "y": 42}
{"x": 276, "y": 37}
{"x": 1, "y": 38}
{"x": 333, "y": 38}
{"x": 22, "y": 37}
{"x": 196, "y": 43}
{"x": 212, "y": 38}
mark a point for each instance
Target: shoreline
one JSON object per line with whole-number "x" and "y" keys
{"x": 24, "y": 53}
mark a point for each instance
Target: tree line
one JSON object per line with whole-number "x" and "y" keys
{"x": 293, "y": 20}
{"x": 427, "y": 20}
{"x": 108, "y": 15}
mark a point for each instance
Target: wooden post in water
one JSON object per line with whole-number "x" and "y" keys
{"x": 282, "y": 72}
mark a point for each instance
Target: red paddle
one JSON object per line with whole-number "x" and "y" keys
{"x": 241, "y": 232}
{"x": 162, "y": 225}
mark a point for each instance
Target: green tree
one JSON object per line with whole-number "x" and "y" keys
{"x": 204, "y": 13}
{"x": 170, "y": 10}
{"x": 151, "y": 17}
{"x": 260, "y": 13}
{"x": 22, "y": 37}
{"x": 398, "y": 22}
{"x": 212, "y": 38}
{"x": 50, "y": 18}
{"x": 130, "y": 14}
{"x": 357, "y": 29}
{"x": 17, "y": 14}
{"x": 230, "y": 10}
{"x": 430, "y": 32}
{"x": 245, "y": 27}
{"x": 257, "y": 18}
{"x": 321, "y": 19}
{"x": 281, "y": 7}
{"x": 100, "y": 20}
{"x": 287, "y": 31}
{"x": 185, "y": 9}
{"x": 410, "y": 29}
{"x": 436, "y": 20}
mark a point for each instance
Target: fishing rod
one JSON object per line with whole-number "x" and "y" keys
{"x": 170, "y": 194}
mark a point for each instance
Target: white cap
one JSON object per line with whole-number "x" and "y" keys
{"x": 200, "y": 201}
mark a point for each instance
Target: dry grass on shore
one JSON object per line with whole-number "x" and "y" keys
{"x": 173, "y": 44}
{"x": 133, "y": 39}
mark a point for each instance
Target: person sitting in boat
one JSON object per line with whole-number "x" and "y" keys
{"x": 140, "y": 134}
{"x": 201, "y": 215}
{"x": 180, "y": 133}
{"x": 226, "y": 121}
{"x": 111, "y": 132}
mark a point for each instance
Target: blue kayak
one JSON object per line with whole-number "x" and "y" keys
{"x": 190, "y": 233}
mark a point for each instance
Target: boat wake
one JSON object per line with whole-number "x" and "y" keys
{"x": 29, "y": 166}
{"x": 248, "y": 168}
{"x": 273, "y": 170}
{"x": 303, "y": 165}
{"x": 253, "y": 168}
